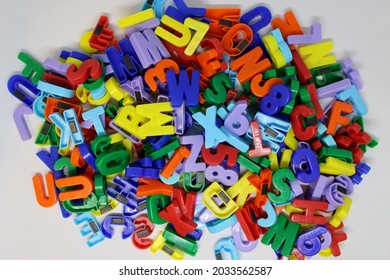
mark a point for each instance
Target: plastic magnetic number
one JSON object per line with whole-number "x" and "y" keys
{"x": 227, "y": 177}
{"x": 277, "y": 98}
{"x": 309, "y": 242}
{"x": 223, "y": 151}
{"x": 237, "y": 121}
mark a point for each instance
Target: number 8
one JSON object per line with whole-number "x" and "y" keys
{"x": 227, "y": 177}
{"x": 278, "y": 97}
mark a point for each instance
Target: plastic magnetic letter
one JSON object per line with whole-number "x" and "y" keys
{"x": 341, "y": 212}
{"x": 91, "y": 228}
{"x": 342, "y": 186}
{"x": 309, "y": 242}
{"x": 250, "y": 64}
{"x": 177, "y": 26}
{"x": 124, "y": 192}
{"x": 210, "y": 63}
{"x": 352, "y": 94}
{"x": 116, "y": 219}
{"x": 64, "y": 162}
{"x": 183, "y": 89}
{"x": 96, "y": 115}
{"x": 301, "y": 132}
{"x": 45, "y": 199}
{"x": 101, "y": 36}
{"x": 289, "y": 26}
{"x": 227, "y": 177}
{"x": 160, "y": 244}
{"x": 241, "y": 190}
{"x": 282, "y": 235}
{"x": 33, "y": 69}
{"x": 303, "y": 73}
{"x": 337, "y": 236}
{"x": 317, "y": 55}
{"x": 174, "y": 215}
{"x": 239, "y": 240}
{"x": 233, "y": 47}
{"x": 186, "y": 201}
{"x": 227, "y": 245}
{"x": 305, "y": 165}
{"x": 137, "y": 18}
{"x": 309, "y": 217}
{"x": 23, "y": 89}
{"x": 209, "y": 196}
{"x": 213, "y": 135}
{"x": 128, "y": 120}
{"x": 148, "y": 47}
{"x": 278, "y": 180}
{"x": 219, "y": 84}
{"x": 275, "y": 51}
{"x": 190, "y": 164}
{"x": 314, "y": 37}
{"x": 21, "y": 124}
{"x": 260, "y": 87}
{"x": 185, "y": 244}
{"x": 263, "y": 14}
{"x": 69, "y": 126}
{"x": 337, "y": 116}
{"x": 334, "y": 166}
{"x": 183, "y": 11}
{"x": 90, "y": 68}
{"x": 194, "y": 182}
{"x": 49, "y": 159}
{"x": 125, "y": 63}
{"x": 247, "y": 218}
{"x": 158, "y": 119}
{"x": 89, "y": 204}
{"x": 317, "y": 188}
{"x": 155, "y": 204}
{"x": 271, "y": 216}
{"x": 218, "y": 225}
{"x": 144, "y": 228}
{"x": 174, "y": 161}
{"x": 113, "y": 160}
{"x": 83, "y": 183}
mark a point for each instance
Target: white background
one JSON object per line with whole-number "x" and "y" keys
{"x": 43, "y": 27}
